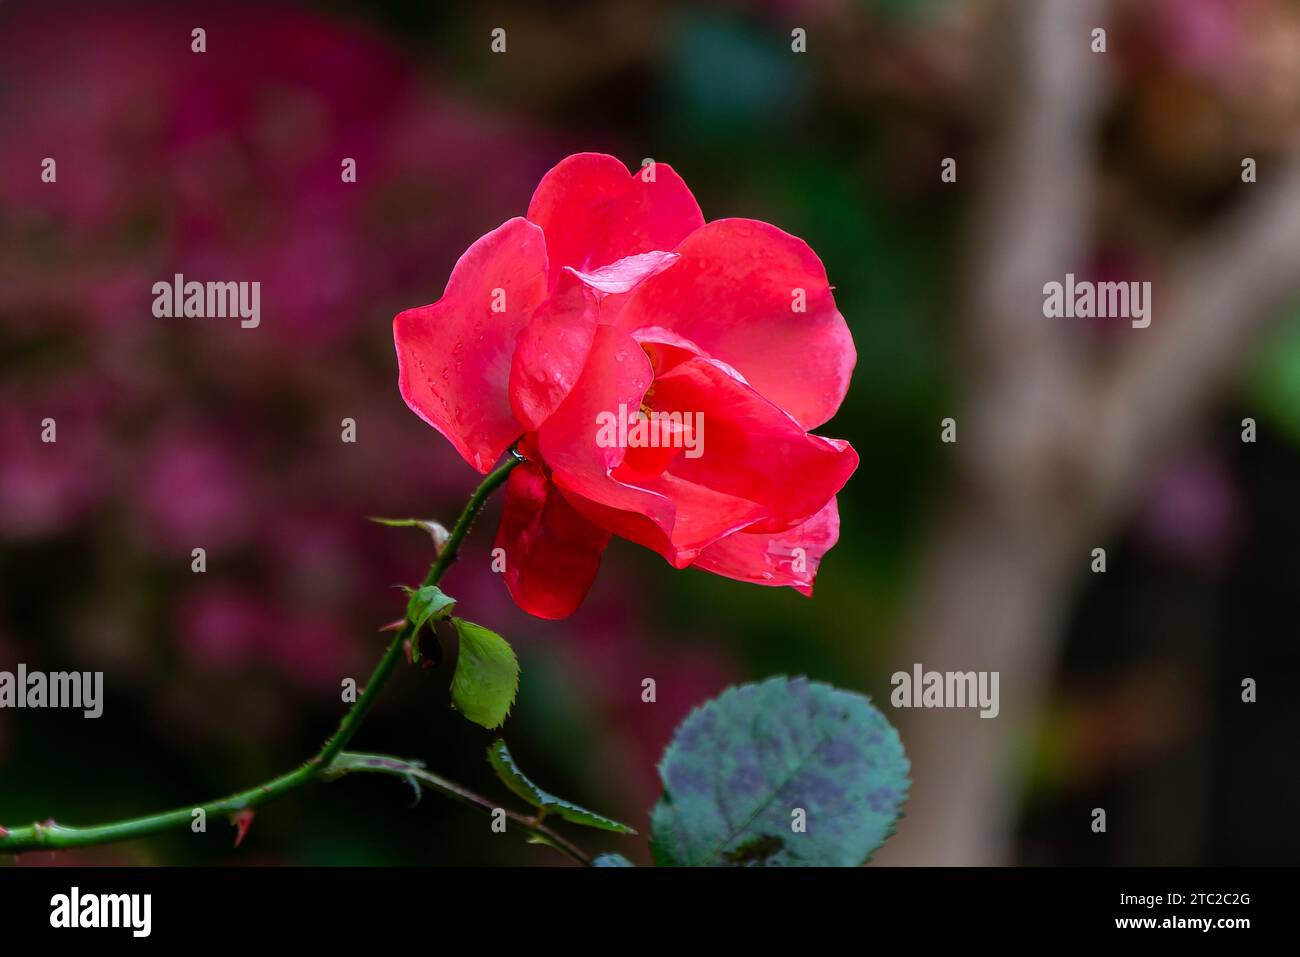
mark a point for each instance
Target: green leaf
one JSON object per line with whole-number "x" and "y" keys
{"x": 487, "y": 675}
{"x": 437, "y": 532}
{"x": 741, "y": 767}
{"x": 503, "y": 763}
{"x": 610, "y": 859}
{"x": 426, "y": 604}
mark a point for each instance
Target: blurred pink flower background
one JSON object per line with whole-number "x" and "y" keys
{"x": 182, "y": 433}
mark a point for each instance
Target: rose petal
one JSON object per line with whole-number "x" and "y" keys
{"x": 667, "y": 349}
{"x": 552, "y": 552}
{"x": 551, "y": 352}
{"x": 733, "y": 292}
{"x": 740, "y": 444}
{"x": 689, "y": 518}
{"x": 552, "y": 349}
{"x": 780, "y": 558}
{"x": 674, "y": 516}
{"x": 594, "y": 212}
{"x": 625, "y": 274}
{"x": 615, "y": 377}
{"x": 453, "y": 356}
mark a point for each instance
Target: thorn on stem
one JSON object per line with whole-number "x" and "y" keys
{"x": 242, "y": 820}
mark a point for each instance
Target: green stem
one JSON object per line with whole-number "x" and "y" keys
{"x": 352, "y": 720}
{"x": 350, "y": 762}
{"x": 51, "y": 835}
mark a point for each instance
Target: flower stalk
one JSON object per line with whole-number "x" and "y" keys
{"x": 350, "y": 762}
{"x": 51, "y": 835}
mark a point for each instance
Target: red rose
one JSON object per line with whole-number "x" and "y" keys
{"x": 721, "y": 338}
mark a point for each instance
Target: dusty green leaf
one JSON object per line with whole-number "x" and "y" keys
{"x": 784, "y": 772}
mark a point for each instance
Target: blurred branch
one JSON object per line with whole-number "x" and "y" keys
{"x": 1224, "y": 293}
{"x": 1034, "y": 214}
{"x": 999, "y": 552}
{"x": 1049, "y": 451}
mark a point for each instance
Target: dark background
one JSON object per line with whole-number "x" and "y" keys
{"x": 1119, "y": 691}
